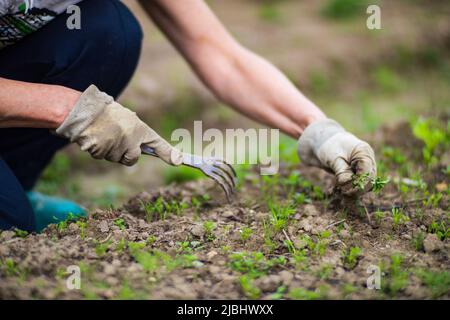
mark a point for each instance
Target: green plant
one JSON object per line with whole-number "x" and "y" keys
{"x": 280, "y": 215}
{"x": 396, "y": 278}
{"x": 20, "y": 233}
{"x": 378, "y": 183}
{"x": 417, "y": 241}
{"x": 303, "y": 294}
{"x": 438, "y": 282}
{"x": 254, "y": 264}
{"x": 159, "y": 209}
{"x": 246, "y": 233}
{"x": 101, "y": 248}
{"x": 398, "y": 217}
{"x": 432, "y": 135}
{"x": 248, "y": 288}
{"x": 440, "y": 229}
{"x": 209, "y": 227}
{"x": 351, "y": 257}
{"x": 82, "y": 226}
{"x": 119, "y": 222}
{"x": 379, "y": 215}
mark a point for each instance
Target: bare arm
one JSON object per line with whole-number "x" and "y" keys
{"x": 234, "y": 74}
{"x": 24, "y": 104}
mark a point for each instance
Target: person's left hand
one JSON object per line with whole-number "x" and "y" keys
{"x": 326, "y": 144}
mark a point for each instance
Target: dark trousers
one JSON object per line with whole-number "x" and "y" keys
{"x": 103, "y": 52}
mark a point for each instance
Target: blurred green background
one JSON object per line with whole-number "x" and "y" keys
{"x": 363, "y": 78}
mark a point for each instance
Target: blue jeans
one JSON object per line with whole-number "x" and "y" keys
{"x": 104, "y": 52}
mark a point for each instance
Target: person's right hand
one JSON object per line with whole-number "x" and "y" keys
{"x": 109, "y": 131}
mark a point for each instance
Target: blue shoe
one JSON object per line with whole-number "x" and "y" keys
{"x": 48, "y": 210}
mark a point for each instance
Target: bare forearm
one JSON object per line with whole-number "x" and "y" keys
{"x": 24, "y": 104}
{"x": 258, "y": 89}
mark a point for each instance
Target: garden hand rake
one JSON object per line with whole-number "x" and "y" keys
{"x": 216, "y": 169}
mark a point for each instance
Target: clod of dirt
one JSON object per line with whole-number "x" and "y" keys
{"x": 431, "y": 243}
{"x": 310, "y": 210}
{"x": 198, "y": 230}
{"x": 103, "y": 226}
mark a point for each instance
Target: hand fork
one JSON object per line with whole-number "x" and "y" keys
{"x": 214, "y": 168}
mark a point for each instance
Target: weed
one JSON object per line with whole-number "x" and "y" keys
{"x": 101, "y": 248}
{"x": 20, "y": 233}
{"x": 398, "y": 217}
{"x": 246, "y": 233}
{"x": 351, "y": 257}
{"x": 438, "y": 282}
{"x": 440, "y": 229}
{"x": 159, "y": 209}
{"x": 303, "y": 294}
{"x": 417, "y": 241}
{"x": 325, "y": 271}
{"x": 279, "y": 293}
{"x": 209, "y": 227}
{"x": 248, "y": 288}
{"x": 396, "y": 279}
{"x": 82, "y": 225}
{"x": 120, "y": 223}
{"x": 432, "y": 135}
{"x": 254, "y": 264}
{"x": 379, "y": 215}
{"x": 379, "y": 183}
{"x": 280, "y": 215}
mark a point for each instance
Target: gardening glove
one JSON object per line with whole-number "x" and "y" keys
{"x": 326, "y": 144}
{"x": 109, "y": 131}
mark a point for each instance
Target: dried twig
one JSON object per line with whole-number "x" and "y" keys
{"x": 335, "y": 223}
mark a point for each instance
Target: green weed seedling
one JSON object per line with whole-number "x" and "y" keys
{"x": 209, "y": 227}
{"x": 379, "y": 183}
{"x": 20, "y": 233}
{"x": 440, "y": 229}
{"x": 120, "y": 223}
{"x": 398, "y": 217}
{"x": 438, "y": 282}
{"x": 396, "y": 278}
{"x": 280, "y": 215}
{"x": 417, "y": 241}
{"x": 246, "y": 233}
{"x": 101, "y": 248}
{"x": 303, "y": 294}
{"x": 254, "y": 264}
{"x": 82, "y": 226}
{"x": 248, "y": 288}
{"x": 160, "y": 208}
{"x": 432, "y": 135}
{"x": 379, "y": 215}
{"x": 351, "y": 257}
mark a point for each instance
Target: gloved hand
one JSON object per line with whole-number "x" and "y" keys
{"x": 109, "y": 131}
{"x": 327, "y": 145}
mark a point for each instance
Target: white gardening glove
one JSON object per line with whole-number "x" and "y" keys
{"x": 109, "y": 131}
{"x": 327, "y": 145}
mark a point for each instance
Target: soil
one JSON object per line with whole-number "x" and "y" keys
{"x": 126, "y": 253}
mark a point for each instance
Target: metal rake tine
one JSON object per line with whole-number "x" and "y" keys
{"x": 225, "y": 177}
{"x": 229, "y": 167}
{"x": 223, "y": 167}
{"x": 222, "y": 182}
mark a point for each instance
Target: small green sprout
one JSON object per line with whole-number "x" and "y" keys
{"x": 351, "y": 257}
{"x": 120, "y": 223}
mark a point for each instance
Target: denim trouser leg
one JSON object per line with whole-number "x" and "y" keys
{"x": 103, "y": 52}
